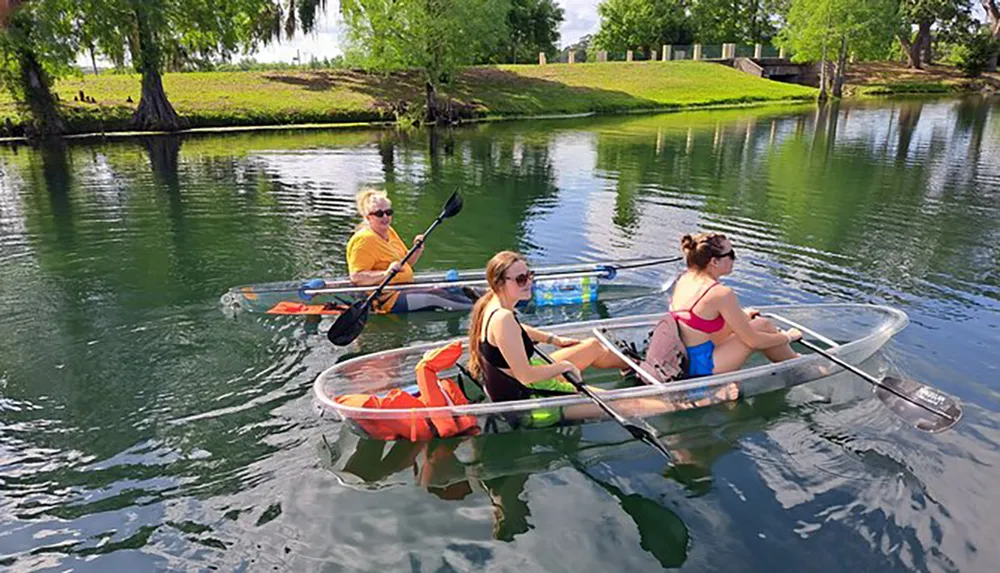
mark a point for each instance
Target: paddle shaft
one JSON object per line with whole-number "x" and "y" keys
{"x": 644, "y": 434}
{"x": 871, "y": 379}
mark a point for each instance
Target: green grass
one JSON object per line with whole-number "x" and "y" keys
{"x": 908, "y": 88}
{"x": 215, "y": 99}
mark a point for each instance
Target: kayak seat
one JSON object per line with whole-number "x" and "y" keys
{"x": 661, "y": 353}
{"x": 474, "y": 391}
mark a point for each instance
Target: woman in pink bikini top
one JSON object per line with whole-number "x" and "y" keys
{"x": 718, "y": 332}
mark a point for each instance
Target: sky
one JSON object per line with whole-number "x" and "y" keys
{"x": 579, "y": 19}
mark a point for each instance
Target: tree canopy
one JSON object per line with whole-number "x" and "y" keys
{"x": 433, "y": 36}
{"x": 642, "y": 24}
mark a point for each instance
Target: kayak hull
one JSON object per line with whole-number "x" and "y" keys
{"x": 580, "y": 282}
{"x": 856, "y": 332}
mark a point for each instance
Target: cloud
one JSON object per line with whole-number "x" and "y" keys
{"x": 580, "y": 19}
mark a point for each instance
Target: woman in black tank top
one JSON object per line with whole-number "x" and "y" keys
{"x": 501, "y": 347}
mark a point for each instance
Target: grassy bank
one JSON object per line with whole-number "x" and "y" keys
{"x": 216, "y": 99}
{"x": 893, "y": 78}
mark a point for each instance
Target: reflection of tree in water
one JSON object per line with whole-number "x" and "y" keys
{"x": 110, "y": 255}
{"x": 632, "y": 164}
{"x": 909, "y": 117}
{"x": 505, "y": 179}
{"x": 912, "y": 223}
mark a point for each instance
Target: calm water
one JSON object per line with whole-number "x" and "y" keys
{"x": 141, "y": 430}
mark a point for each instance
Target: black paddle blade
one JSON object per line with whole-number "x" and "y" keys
{"x": 645, "y": 433}
{"x": 349, "y": 325}
{"x": 921, "y": 406}
{"x": 453, "y": 206}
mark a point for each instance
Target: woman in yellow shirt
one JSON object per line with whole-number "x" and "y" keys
{"x": 375, "y": 250}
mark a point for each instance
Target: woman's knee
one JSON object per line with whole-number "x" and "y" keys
{"x": 762, "y": 324}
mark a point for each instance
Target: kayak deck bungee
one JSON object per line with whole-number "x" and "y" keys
{"x": 571, "y": 283}
{"x": 856, "y": 330}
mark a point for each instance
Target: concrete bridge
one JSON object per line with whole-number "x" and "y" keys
{"x": 777, "y": 69}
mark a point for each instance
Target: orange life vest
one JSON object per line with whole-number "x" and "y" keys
{"x": 433, "y": 393}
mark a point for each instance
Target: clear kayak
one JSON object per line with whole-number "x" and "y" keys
{"x": 555, "y": 285}
{"x": 852, "y": 332}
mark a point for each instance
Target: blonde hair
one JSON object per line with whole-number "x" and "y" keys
{"x": 495, "y": 270}
{"x": 366, "y": 197}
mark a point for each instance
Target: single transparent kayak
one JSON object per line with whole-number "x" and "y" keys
{"x": 554, "y": 285}
{"x": 852, "y": 332}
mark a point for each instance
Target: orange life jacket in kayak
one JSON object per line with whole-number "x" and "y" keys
{"x": 433, "y": 393}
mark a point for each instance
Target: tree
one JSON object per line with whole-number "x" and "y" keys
{"x": 742, "y": 21}
{"x": 152, "y": 33}
{"x": 924, "y": 15}
{"x": 643, "y": 24}
{"x": 285, "y": 17}
{"x": 975, "y": 53}
{"x": 579, "y": 50}
{"x": 433, "y": 36}
{"x": 532, "y": 27}
{"x": 993, "y": 21}
{"x": 815, "y": 28}
{"x": 37, "y": 47}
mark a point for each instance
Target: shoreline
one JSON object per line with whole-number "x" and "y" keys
{"x": 332, "y": 99}
{"x": 374, "y": 125}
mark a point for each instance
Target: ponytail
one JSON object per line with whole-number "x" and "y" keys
{"x": 475, "y": 330}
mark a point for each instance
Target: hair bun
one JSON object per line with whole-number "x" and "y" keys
{"x": 687, "y": 243}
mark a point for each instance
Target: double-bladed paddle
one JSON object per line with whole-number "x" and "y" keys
{"x": 350, "y": 324}
{"x": 924, "y": 407}
{"x": 639, "y": 429}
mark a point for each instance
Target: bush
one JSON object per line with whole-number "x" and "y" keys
{"x": 975, "y": 53}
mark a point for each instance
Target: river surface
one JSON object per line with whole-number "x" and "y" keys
{"x": 141, "y": 429}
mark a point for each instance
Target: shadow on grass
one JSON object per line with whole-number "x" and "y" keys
{"x": 477, "y": 92}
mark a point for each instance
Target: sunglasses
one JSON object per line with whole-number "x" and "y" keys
{"x": 523, "y": 278}
{"x": 731, "y": 254}
{"x": 380, "y": 213}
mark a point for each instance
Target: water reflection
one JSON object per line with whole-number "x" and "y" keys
{"x": 127, "y": 399}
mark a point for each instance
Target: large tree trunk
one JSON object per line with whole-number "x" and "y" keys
{"x": 35, "y": 83}
{"x": 154, "y": 111}
{"x": 915, "y": 49}
{"x": 838, "y": 78}
{"x": 993, "y": 17}
{"x": 928, "y": 48}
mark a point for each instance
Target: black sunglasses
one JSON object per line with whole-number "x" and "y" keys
{"x": 523, "y": 278}
{"x": 731, "y": 254}
{"x": 380, "y": 212}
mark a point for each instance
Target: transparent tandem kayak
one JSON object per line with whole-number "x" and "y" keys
{"x": 853, "y": 332}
